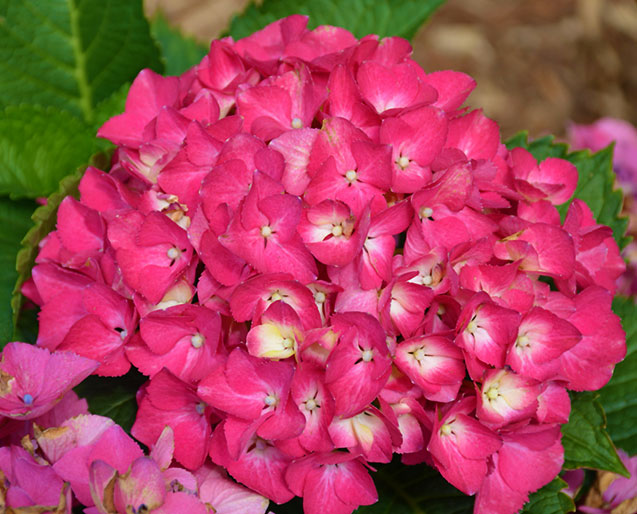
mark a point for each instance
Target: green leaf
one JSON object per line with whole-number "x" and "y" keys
{"x": 618, "y": 396}
{"x": 415, "y": 490}
{"x": 113, "y": 397}
{"x": 585, "y": 440}
{"x": 361, "y": 17}
{"x": 15, "y": 220}
{"x": 179, "y": 52}
{"x": 595, "y": 184}
{"x": 71, "y": 54}
{"x": 550, "y": 500}
{"x": 38, "y": 147}
{"x": 43, "y": 221}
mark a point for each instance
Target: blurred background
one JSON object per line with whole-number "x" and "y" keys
{"x": 538, "y": 64}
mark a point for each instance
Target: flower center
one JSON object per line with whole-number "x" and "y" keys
{"x": 319, "y": 297}
{"x": 425, "y": 212}
{"x": 310, "y": 404}
{"x": 197, "y": 340}
{"x": 173, "y": 253}
{"x": 351, "y": 176}
{"x": 296, "y": 123}
{"x": 288, "y": 343}
{"x": 522, "y": 341}
{"x": 427, "y": 280}
{"x": 200, "y": 408}
{"x": 367, "y": 355}
{"x": 337, "y": 230}
{"x": 266, "y": 231}
{"x": 403, "y": 162}
{"x": 419, "y": 354}
{"x": 472, "y": 327}
{"x": 27, "y": 399}
{"x": 446, "y": 429}
{"x": 270, "y": 400}
{"x": 492, "y": 393}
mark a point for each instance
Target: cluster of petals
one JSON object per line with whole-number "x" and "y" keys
{"x": 320, "y": 259}
{"x": 623, "y": 136}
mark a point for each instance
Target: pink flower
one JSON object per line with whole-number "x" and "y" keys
{"x": 33, "y": 380}
{"x": 604, "y": 132}
{"x": 309, "y": 245}
{"x": 461, "y": 445}
{"x": 166, "y": 400}
{"x": 31, "y": 485}
{"x": 331, "y": 482}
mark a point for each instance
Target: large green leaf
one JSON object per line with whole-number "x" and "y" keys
{"x": 178, "y": 51}
{"x": 619, "y": 396}
{"x": 361, "y": 17}
{"x": 71, "y": 54}
{"x": 15, "y": 220}
{"x": 585, "y": 440}
{"x": 38, "y": 147}
{"x": 596, "y": 180}
{"x": 113, "y": 397}
{"x": 550, "y": 500}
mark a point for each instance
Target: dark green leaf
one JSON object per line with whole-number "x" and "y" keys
{"x": 44, "y": 219}
{"x": 415, "y": 490}
{"x": 361, "y": 17}
{"x": 179, "y": 52}
{"x": 585, "y": 440}
{"x": 550, "y": 500}
{"x": 113, "y": 397}
{"x": 38, "y": 147}
{"x": 15, "y": 220}
{"x": 71, "y": 54}
{"x": 619, "y": 396}
{"x": 596, "y": 180}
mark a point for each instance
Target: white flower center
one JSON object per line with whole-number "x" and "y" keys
{"x": 197, "y": 340}
{"x": 173, "y": 253}
{"x": 492, "y": 393}
{"x": 426, "y": 212}
{"x": 427, "y": 280}
{"x": 472, "y": 327}
{"x": 351, "y": 176}
{"x": 522, "y": 341}
{"x": 367, "y": 355}
{"x": 403, "y": 162}
{"x": 419, "y": 354}
{"x": 337, "y": 230}
{"x": 310, "y": 404}
{"x": 266, "y": 231}
{"x": 288, "y": 343}
{"x": 270, "y": 400}
{"x": 319, "y": 297}
{"x": 296, "y": 123}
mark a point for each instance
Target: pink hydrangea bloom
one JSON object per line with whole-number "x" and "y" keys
{"x": 319, "y": 259}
